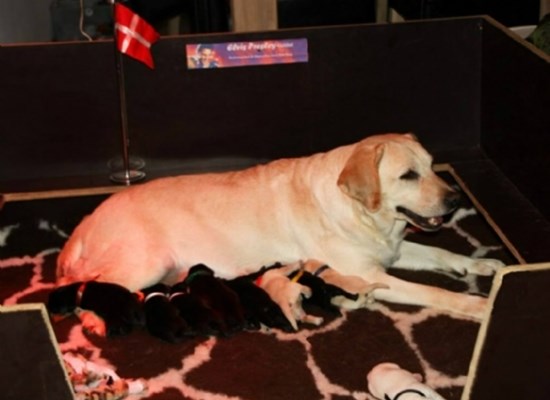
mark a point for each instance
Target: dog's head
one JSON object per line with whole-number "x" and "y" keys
{"x": 393, "y": 173}
{"x": 63, "y": 300}
{"x": 200, "y": 269}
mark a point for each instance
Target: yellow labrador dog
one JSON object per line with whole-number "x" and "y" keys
{"x": 347, "y": 208}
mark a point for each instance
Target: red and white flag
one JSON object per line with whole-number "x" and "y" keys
{"x": 134, "y": 35}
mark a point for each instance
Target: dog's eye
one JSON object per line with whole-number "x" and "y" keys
{"x": 410, "y": 175}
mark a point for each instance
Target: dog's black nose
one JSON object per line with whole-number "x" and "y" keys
{"x": 452, "y": 200}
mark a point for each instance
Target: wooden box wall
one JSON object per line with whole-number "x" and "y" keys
{"x": 475, "y": 95}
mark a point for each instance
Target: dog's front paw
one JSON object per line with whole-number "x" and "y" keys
{"x": 474, "y": 307}
{"x": 485, "y": 266}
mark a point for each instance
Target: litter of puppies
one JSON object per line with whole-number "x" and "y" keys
{"x": 201, "y": 304}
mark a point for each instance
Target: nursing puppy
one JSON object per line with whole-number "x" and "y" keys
{"x": 347, "y": 208}
{"x": 116, "y": 311}
{"x": 388, "y": 381}
{"x": 258, "y": 307}
{"x": 216, "y": 295}
{"x": 343, "y": 291}
{"x": 162, "y": 318}
{"x": 202, "y": 320}
{"x": 210, "y": 296}
{"x": 288, "y": 294}
{"x": 323, "y": 294}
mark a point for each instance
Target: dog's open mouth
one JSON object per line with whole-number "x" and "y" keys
{"x": 425, "y": 223}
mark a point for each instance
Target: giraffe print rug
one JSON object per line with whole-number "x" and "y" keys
{"x": 330, "y": 361}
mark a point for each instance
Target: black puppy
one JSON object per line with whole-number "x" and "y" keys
{"x": 322, "y": 292}
{"x": 119, "y": 308}
{"x": 213, "y": 294}
{"x": 162, "y": 318}
{"x": 201, "y": 319}
{"x": 258, "y": 306}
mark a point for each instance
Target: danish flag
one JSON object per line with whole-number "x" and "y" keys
{"x": 134, "y": 35}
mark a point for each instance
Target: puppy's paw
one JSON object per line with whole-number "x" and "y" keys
{"x": 311, "y": 319}
{"x": 306, "y": 291}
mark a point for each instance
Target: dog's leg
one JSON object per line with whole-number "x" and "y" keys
{"x": 421, "y": 257}
{"x": 405, "y": 292}
{"x": 288, "y": 312}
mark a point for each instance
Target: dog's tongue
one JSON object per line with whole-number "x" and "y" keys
{"x": 425, "y": 223}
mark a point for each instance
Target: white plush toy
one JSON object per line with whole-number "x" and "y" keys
{"x": 94, "y": 381}
{"x": 388, "y": 381}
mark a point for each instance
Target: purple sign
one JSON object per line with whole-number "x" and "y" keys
{"x": 240, "y": 54}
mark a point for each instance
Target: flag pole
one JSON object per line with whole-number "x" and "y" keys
{"x": 127, "y": 175}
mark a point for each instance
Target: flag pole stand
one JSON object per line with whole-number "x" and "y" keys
{"x": 127, "y": 175}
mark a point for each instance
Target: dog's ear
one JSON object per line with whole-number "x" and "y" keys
{"x": 360, "y": 179}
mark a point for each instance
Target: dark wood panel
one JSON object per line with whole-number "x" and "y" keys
{"x": 60, "y": 105}
{"x": 515, "y": 358}
{"x": 31, "y": 364}
{"x": 59, "y": 112}
{"x": 522, "y": 224}
{"x": 516, "y": 113}
{"x": 422, "y": 77}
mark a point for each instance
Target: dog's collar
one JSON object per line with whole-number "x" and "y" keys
{"x": 175, "y": 294}
{"x": 80, "y": 293}
{"x": 298, "y": 275}
{"x": 153, "y": 294}
{"x": 321, "y": 269}
{"x": 140, "y": 296}
{"x": 406, "y": 391}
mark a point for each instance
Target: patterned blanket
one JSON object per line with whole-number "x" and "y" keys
{"x": 326, "y": 362}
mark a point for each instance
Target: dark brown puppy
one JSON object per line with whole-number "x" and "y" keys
{"x": 257, "y": 305}
{"x": 119, "y": 308}
{"x": 162, "y": 318}
{"x": 215, "y": 295}
{"x": 201, "y": 319}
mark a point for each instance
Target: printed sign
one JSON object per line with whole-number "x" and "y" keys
{"x": 240, "y": 54}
